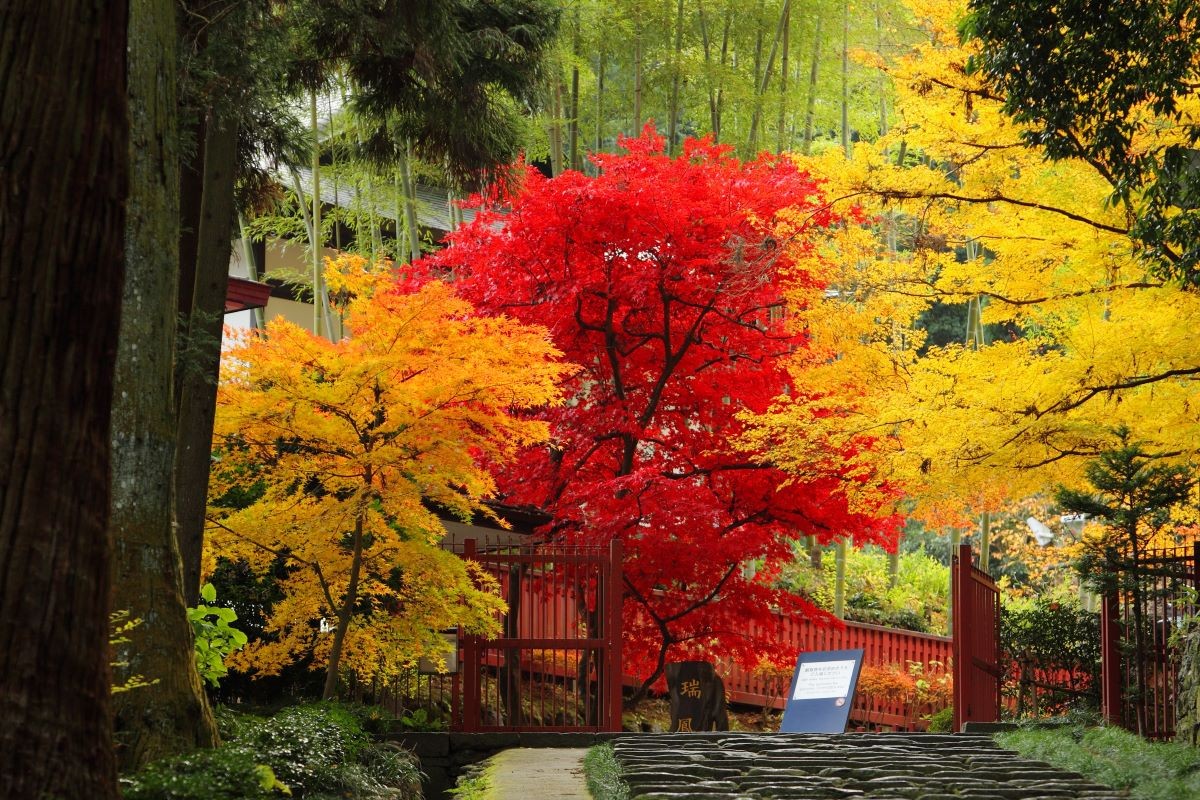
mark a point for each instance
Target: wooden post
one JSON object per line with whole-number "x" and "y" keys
{"x": 960, "y": 566}
{"x": 613, "y": 631}
{"x": 471, "y": 716}
{"x": 1110, "y": 659}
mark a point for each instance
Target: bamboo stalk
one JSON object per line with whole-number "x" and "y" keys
{"x": 811, "y": 101}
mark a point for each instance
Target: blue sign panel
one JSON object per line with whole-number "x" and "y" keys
{"x": 821, "y": 692}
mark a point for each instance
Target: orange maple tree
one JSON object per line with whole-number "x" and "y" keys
{"x": 345, "y": 445}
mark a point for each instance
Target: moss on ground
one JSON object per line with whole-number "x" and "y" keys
{"x": 1117, "y": 758}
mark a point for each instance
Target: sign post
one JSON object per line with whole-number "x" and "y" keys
{"x": 822, "y": 692}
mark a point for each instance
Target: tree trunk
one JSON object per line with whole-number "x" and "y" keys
{"x": 985, "y": 540}
{"x": 345, "y": 613}
{"x": 676, "y": 68}
{"x": 883, "y": 115}
{"x": 765, "y": 81}
{"x": 839, "y": 579}
{"x": 955, "y": 539}
{"x": 573, "y": 130}
{"x": 64, "y": 160}
{"x": 720, "y": 104}
{"x": 637, "y": 80}
{"x": 410, "y": 202}
{"x": 509, "y": 682}
{"x": 172, "y": 715}
{"x": 810, "y": 103}
{"x": 781, "y": 126}
{"x": 756, "y": 74}
{"x": 715, "y": 88}
{"x": 600, "y": 64}
{"x": 317, "y": 240}
{"x": 556, "y": 132}
{"x": 846, "y": 78}
{"x": 198, "y": 363}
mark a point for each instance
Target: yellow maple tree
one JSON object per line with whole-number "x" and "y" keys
{"x": 347, "y": 445}
{"x": 961, "y": 210}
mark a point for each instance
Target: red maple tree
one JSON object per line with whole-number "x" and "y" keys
{"x": 661, "y": 279}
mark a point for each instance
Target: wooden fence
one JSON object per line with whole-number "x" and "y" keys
{"x": 881, "y": 647}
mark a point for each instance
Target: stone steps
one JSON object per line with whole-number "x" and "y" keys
{"x": 732, "y": 766}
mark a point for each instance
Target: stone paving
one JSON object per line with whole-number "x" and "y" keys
{"x": 880, "y": 766}
{"x": 538, "y": 774}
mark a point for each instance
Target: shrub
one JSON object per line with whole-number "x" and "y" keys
{"x": 308, "y": 745}
{"x": 315, "y": 752}
{"x": 1062, "y": 645}
{"x": 603, "y": 774}
{"x": 226, "y": 773}
{"x": 941, "y": 721}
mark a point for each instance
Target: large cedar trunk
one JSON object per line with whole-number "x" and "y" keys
{"x": 172, "y": 715}
{"x": 63, "y": 162}
{"x": 199, "y": 363}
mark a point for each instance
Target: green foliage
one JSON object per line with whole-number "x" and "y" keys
{"x": 215, "y": 637}
{"x": 1133, "y": 766}
{"x": 1112, "y": 89}
{"x": 308, "y": 745}
{"x": 917, "y": 601}
{"x": 1056, "y": 638}
{"x": 225, "y": 773}
{"x": 941, "y": 721}
{"x": 603, "y": 774}
{"x": 1055, "y": 635}
{"x": 316, "y": 752}
{"x": 421, "y": 719}
{"x": 480, "y": 62}
{"x": 1132, "y": 492}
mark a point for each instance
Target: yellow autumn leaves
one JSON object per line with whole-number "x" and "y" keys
{"x": 339, "y": 450}
{"x": 1076, "y": 338}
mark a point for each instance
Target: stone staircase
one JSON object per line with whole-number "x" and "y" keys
{"x": 914, "y": 766}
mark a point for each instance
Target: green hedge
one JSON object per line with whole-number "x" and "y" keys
{"x": 316, "y": 752}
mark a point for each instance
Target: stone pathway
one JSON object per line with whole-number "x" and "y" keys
{"x": 880, "y": 766}
{"x": 526, "y": 773}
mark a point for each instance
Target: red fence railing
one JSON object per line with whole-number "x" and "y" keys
{"x": 556, "y": 664}
{"x": 881, "y": 647}
{"x": 532, "y": 678}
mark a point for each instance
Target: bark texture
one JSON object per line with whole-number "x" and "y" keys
{"x": 172, "y": 715}
{"x": 63, "y": 176}
{"x": 198, "y": 363}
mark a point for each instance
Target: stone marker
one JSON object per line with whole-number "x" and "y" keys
{"x": 697, "y": 697}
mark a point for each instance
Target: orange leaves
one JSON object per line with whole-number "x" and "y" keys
{"x": 358, "y": 439}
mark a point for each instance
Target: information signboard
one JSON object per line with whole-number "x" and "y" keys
{"x": 822, "y": 692}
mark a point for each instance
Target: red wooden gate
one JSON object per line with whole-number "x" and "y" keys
{"x": 557, "y": 664}
{"x": 977, "y": 674}
{"x": 1167, "y": 580}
